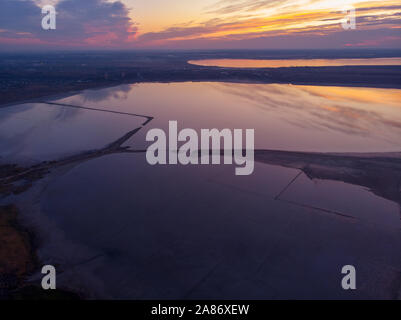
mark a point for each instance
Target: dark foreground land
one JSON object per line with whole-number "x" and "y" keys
{"x": 35, "y": 75}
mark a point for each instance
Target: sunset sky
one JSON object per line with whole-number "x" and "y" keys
{"x": 207, "y": 24}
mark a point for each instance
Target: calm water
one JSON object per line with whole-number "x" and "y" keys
{"x": 120, "y": 228}
{"x": 285, "y": 117}
{"x": 36, "y": 132}
{"x": 124, "y": 229}
{"x": 253, "y": 63}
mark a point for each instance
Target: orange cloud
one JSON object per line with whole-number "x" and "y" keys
{"x": 246, "y": 20}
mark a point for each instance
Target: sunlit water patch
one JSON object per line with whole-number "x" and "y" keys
{"x": 276, "y": 63}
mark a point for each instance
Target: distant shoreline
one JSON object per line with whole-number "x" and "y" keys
{"x": 60, "y": 93}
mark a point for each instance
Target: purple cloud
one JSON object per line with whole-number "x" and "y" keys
{"x": 79, "y": 23}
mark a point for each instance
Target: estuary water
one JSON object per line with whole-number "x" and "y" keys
{"x": 285, "y": 117}
{"x": 117, "y": 227}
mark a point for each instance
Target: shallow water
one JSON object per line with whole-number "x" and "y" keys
{"x": 201, "y": 232}
{"x": 35, "y": 132}
{"x": 255, "y": 63}
{"x": 120, "y": 228}
{"x": 285, "y": 117}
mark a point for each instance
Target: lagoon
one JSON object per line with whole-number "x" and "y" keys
{"x": 117, "y": 227}
{"x": 277, "y": 63}
{"x": 284, "y": 117}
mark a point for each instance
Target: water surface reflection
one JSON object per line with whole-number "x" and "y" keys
{"x": 276, "y": 63}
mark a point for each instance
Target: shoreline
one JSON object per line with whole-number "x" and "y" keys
{"x": 21, "y": 244}
{"x": 38, "y": 76}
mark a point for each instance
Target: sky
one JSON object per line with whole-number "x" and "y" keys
{"x": 200, "y": 24}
